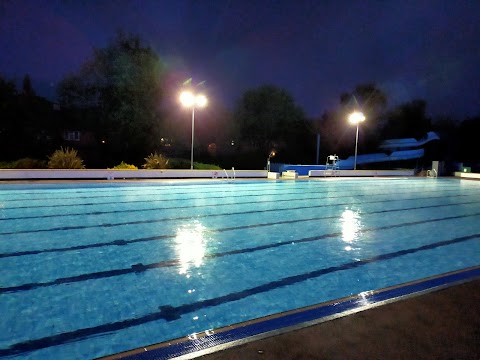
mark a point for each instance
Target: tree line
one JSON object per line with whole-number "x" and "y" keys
{"x": 123, "y": 102}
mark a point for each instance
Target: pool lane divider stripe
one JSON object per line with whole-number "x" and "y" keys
{"x": 199, "y": 216}
{"x": 262, "y": 194}
{"x": 121, "y": 242}
{"x": 172, "y": 313}
{"x": 216, "y": 205}
{"x": 253, "y": 192}
{"x": 167, "y": 189}
{"x": 139, "y": 268}
{"x": 210, "y": 341}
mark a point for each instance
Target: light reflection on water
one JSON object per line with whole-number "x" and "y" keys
{"x": 190, "y": 245}
{"x": 351, "y": 225}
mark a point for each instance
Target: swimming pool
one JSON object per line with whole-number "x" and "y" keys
{"x": 92, "y": 269}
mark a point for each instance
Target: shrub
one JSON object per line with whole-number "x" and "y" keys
{"x": 25, "y": 163}
{"x": 202, "y": 166}
{"x": 177, "y": 163}
{"x": 28, "y": 163}
{"x": 65, "y": 159}
{"x": 7, "y": 165}
{"x": 124, "y": 166}
{"x": 156, "y": 161}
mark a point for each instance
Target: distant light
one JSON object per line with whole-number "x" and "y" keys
{"x": 356, "y": 117}
{"x": 188, "y": 99}
{"x": 201, "y": 100}
{"x": 233, "y": 142}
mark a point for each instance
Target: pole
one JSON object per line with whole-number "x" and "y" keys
{"x": 193, "y": 130}
{"x": 356, "y": 145}
{"x": 318, "y": 147}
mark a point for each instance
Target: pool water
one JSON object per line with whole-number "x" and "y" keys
{"x": 93, "y": 269}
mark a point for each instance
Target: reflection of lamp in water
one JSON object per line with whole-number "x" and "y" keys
{"x": 272, "y": 154}
{"x": 350, "y": 226}
{"x": 190, "y": 246}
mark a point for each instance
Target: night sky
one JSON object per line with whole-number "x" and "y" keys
{"x": 316, "y": 50}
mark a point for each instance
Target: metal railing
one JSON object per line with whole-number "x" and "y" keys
{"x": 432, "y": 173}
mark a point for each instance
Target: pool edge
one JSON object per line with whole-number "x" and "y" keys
{"x": 210, "y": 341}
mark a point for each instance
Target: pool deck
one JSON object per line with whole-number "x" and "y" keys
{"x": 443, "y": 324}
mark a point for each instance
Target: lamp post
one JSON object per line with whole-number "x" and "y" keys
{"x": 356, "y": 118}
{"x": 189, "y": 99}
{"x": 272, "y": 154}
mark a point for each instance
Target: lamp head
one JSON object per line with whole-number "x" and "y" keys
{"x": 188, "y": 99}
{"x": 201, "y": 100}
{"x": 356, "y": 117}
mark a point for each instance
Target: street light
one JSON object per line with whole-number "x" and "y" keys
{"x": 356, "y": 118}
{"x": 272, "y": 154}
{"x": 189, "y": 99}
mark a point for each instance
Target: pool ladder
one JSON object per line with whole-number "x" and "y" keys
{"x": 432, "y": 173}
{"x": 233, "y": 175}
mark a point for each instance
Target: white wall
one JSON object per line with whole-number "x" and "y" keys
{"x": 361, "y": 172}
{"x": 467, "y": 175}
{"x": 12, "y": 174}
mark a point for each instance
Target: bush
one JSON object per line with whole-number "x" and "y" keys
{"x": 124, "y": 166}
{"x": 25, "y": 163}
{"x": 156, "y": 161}
{"x": 176, "y": 163}
{"x": 65, "y": 159}
{"x": 28, "y": 163}
{"x": 202, "y": 166}
{"x": 7, "y": 164}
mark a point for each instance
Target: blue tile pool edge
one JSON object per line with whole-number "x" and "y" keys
{"x": 210, "y": 341}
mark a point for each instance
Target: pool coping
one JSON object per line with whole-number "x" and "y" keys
{"x": 213, "y": 340}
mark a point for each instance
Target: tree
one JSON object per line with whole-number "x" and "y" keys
{"x": 118, "y": 92}
{"x": 367, "y": 98}
{"x": 447, "y": 130}
{"x": 266, "y": 118}
{"x": 27, "y": 86}
{"x": 407, "y": 120}
{"x": 468, "y": 141}
{"x": 338, "y": 135}
{"x": 26, "y": 122}
{"x": 8, "y": 123}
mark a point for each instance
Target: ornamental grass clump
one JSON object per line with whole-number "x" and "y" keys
{"x": 65, "y": 159}
{"x": 156, "y": 161}
{"x": 124, "y": 166}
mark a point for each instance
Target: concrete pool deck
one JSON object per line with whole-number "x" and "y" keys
{"x": 443, "y": 324}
